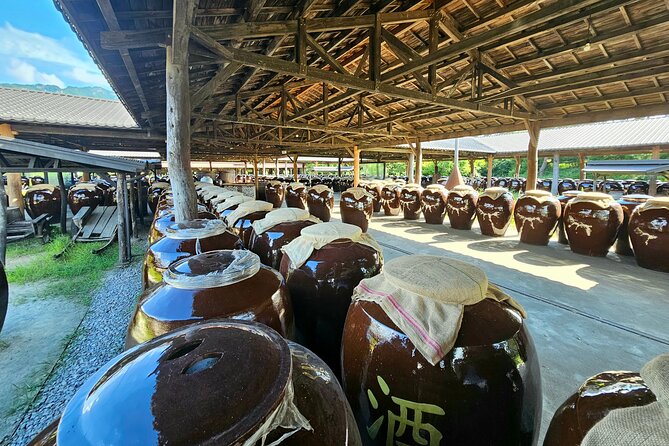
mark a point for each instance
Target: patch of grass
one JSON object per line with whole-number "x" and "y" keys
{"x": 75, "y": 275}
{"x": 3, "y": 345}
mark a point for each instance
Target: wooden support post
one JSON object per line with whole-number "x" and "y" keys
{"x": 256, "y": 179}
{"x": 122, "y": 232}
{"x": 339, "y": 167}
{"x": 356, "y": 166}
{"x": 384, "y": 170}
{"x": 85, "y": 176}
{"x": 63, "y": 203}
{"x": 295, "y": 172}
{"x": 581, "y": 166}
{"x": 13, "y": 190}
{"x": 556, "y": 173}
{"x": 133, "y": 209}
{"x": 472, "y": 169}
{"x": 264, "y": 168}
{"x": 276, "y": 167}
{"x": 179, "y": 113}
{"x": 419, "y": 163}
{"x": 410, "y": 166}
{"x": 533, "y": 128}
{"x": 3, "y": 222}
{"x": 516, "y": 172}
{"x": 489, "y": 180}
{"x": 435, "y": 177}
{"x": 652, "y": 181}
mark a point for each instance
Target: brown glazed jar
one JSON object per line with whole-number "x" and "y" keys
{"x": 390, "y": 199}
{"x": 240, "y": 220}
{"x": 320, "y": 200}
{"x": 277, "y": 229}
{"x": 433, "y": 204}
{"x": 461, "y": 206}
{"x": 184, "y": 240}
{"x": 321, "y": 285}
{"x": 84, "y": 194}
{"x": 229, "y": 204}
{"x": 225, "y": 284}
{"x": 222, "y": 382}
{"x": 275, "y": 192}
{"x": 592, "y": 221}
{"x": 4, "y": 295}
{"x": 485, "y": 390}
{"x": 493, "y": 210}
{"x": 155, "y": 191}
{"x": 296, "y": 196}
{"x": 43, "y": 199}
{"x": 597, "y": 397}
{"x": 564, "y": 199}
{"x": 160, "y": 224}
{"x": 536, "y": 215}
{"x": 357, "y": 207}
{"x": 374, "y": 188}
{"x": 410, "y": 201}
{"x": 628, "y": 203}
{"x": 649, "y": 233}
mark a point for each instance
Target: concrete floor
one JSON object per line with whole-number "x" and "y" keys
{"x": 586, "y": 315}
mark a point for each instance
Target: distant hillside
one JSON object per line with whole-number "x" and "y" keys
{"x": 89, "y": 92}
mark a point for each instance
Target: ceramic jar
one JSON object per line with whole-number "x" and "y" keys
{"x": 390, "y": 199}
{"x": 613, "y": 188}
{"x": 545, "y": 185}
{"x": 515, "y": 184}
{"x": 320, "y": 200}
{"x": 275, "y": 193}
{"x": 108, "y": 192}
{"x": 433, "y": 203}
{"x": 154, "y": 193}
{"x": 84, "y": 194}
{"x": 160, "y": 224}
{"x": 375, "y": 188}
{"x": 356, "y": 206}
{"x": 592, "y": 221}
{"x": 649, "y": 233}
{"x": 638, "y": 187}
{"x": 277, "y": 229}
{"x": 565, "y": 185}
{"x": 296, "y": 196}
{"x": 224, "y": 284}
{"x": 536, "y": 215}
{"x": 586, "y": 186}
{"x": 240, "y": 220}
{"x": 564, "y": 199}
{"x": 485, "y": 389}
{"x": 225, "y": 207}
{"x": 493, "y": 210}
{"x": 221, "y": 382}
{"x": 4, "y": 295}
{"x": 628, "y": 203}
{"x": 461, "y": 206}
{"x": 410, "y": 201}
{"x": 184, "y": 240}
{"x": 597, "y": 397}
{"x": 43, "y": 199}
{"x": 321, "y": 285}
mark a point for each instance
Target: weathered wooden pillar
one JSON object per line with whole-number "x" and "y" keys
{"x": 13, "y": 179}
{"x": 179, "y": 113}
{"x": 85, "y": 176}
{"x": 652, "y": 181}
{"x": 384, "y": 170}
{"x": 516, "y": 172}
{"x": 63, "y": 203}
{"x": 256, "y": 180}
{"x": 472, "y": 169}
{"x": 533, "y": 128}
{"x": 3, "y": 222}
{"x": 436, "y": 172}
{"x": 276, "y": 167}
{"x": 489, "y": 181}
{"x": 356, "y": 166}
{"x": 295, "y": 171}
{"x": 410, "y": 165}
{"x": 419, "y": 163}
{"x": 581, "y": 166}
{"x": 264, "y": 168}
{"x": 556, "y": 173}
{"x": 122, "y": 231}
{"x": 133, "y": 209}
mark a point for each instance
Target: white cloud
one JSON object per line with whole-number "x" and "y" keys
{"x": 26, "y": 73}
{"x": 87, "y": 77}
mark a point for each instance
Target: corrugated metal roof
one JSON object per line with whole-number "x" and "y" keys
{"x": 643, "y": 167}
{"x": 40, "y": 107}
{"x": 468, "y": 144}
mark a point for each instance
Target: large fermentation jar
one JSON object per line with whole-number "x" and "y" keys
{"x": 322, "y": 267}
{"x": 628, "y": 203}
{"x": 649, "y": 233}
{"x": 275, "y": 192}
{"x": 598, "y": 396}
{"x": 494, "y": 210}
{"x": 84, "y": 194}
{"x": 222, "y": 382}
{"x": 374, "y": 188}
{"x": 223, "y": 196}
{"x": 357, "y": 207}
{"x": 461, "y": 206}
{"x": 221, "y": 284}
{"x": 160, "y": 224}
{"x": 43, "y": 199}
{"x": 4, "y": 295}
{"x": 433, "y": 355}
{"x": 240, "y": 220}
{"x": 277, "y": 229}
{"x": 592, "y": 221}
{"x": 565, "y": 185}
{"x": 155, "y": 191}
{"x": 565, "y": 198}
{"x": 184, "y": 240}
{"x": 390, "y": 198}
{"x": 320, "y": 200}
{"x": 296, "y": 196}
{"x": 433, "y": 203}
{"x": 536, "y": 215}
{"x": 108, "y": 191}
{"x": 228, "y": 205}
{"x": 410, "y": 201}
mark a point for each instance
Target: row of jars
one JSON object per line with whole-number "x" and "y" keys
{"x": 612, "y": 187}
{"x": 45, "y": 198}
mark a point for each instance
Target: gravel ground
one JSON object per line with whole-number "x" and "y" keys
{"x": 99, "y": 338}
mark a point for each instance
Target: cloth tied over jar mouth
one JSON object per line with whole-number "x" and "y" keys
{"x": 232, "y": 201}
{"x": 246, "y": 208}
{"x": 282, "y": 215}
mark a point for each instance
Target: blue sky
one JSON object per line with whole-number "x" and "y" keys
{"x": 38, "y": 46}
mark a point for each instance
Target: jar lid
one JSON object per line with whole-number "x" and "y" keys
{"x": 320, "y": 188}
{"x": 246, "y": 208}
{"x": 160, "y": 185}
{"x": 231, "y": 201}
{"x": 437, "y": 187}
{"x": 85, "y": 186}
{"x": 636, "y": 198}
{"x": 596, "y": 198}
{"x": 223, "y": 382}
{"x": 274, "y": 183}
{"x": 296, "y": 186}
{"x": 572, "y": 193}
{"x": 212, "y": 269}
{"x": 411, "y": 187}
{"x": 537, "y": 193}
{"x": 655, "y": 203}
{"x": 358, "y": 192}
{"x": 332, "y": 230}
{"x": 44, "y": 187}
{"x": 462, "y": 188}
{"x": 195, "y": 229}
{"x": 281, "y": 215}
{"x": 495, "y": 192}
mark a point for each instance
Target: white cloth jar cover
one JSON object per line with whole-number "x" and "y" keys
{"x": 223, "y": 267}
{"x": 597, "y": 198}
{"x": 282, "y": 215}
{"x": 358, "y": 192}
{"x": 437, "y": 187}
{"x": 316, "y": 236}
{"x": 159, "y": 185}
{"x": 320, "y": 188}
{"x": 224, "y": 195}
{"x": 425, "y": 297}
{"x": 654, "y": 204}
{"x": 494, "y": 192}
{"x": 638, "y": 426}
{"x": 84, "y": 186}
{"x": 246, "y": 208}
{"x": 297, "y": 186}
{"x": 195, "y": 229}
{"x": 211, "y": 192}
{"x": 232, "y": 201}
{"x": 462, "y": 190}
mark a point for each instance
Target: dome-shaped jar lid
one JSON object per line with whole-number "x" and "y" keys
{"x": 212, "y": 269}
{"x": 332, "y": 230}
{"x": 320, "y": 188}
{"x": 85, "y": 186}
{"x": 195, "y": 229}
{"x": 655, "y": 203}
{"x": 296, "y": 186}
{"x": 597, "y": 198}
{"x": 495, "y": 192}
{"x": 234, "y": 200}
{"x": 160, "y": 185}
{"x": 572, "y": 193}
{"x": 411, "y": 187}
{"x": 246, "y": 208}
{"x": 462, "y": 190}
{"x": 537, "y": 193}
{"x": 274, "y": 183}
{"x": 281, "y": 215}
{"x": 358, "y": 192}
{"x": 436, "y": 187}
{"x": 41, "y": 187}
{"x": 218, "y": 382}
